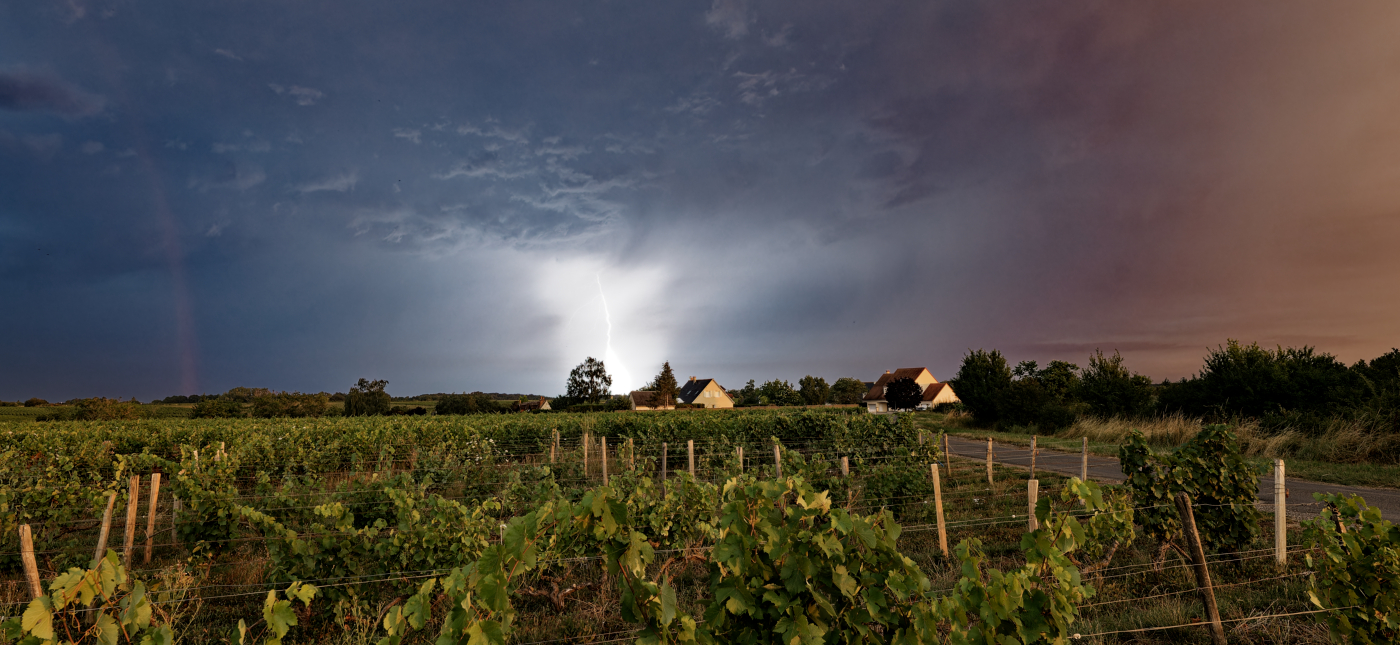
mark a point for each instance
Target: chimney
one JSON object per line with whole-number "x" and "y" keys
{"x": 692, "y": 378}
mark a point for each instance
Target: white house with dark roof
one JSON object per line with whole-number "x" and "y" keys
{"x": 705, "y": 392}
{"x": 935, "y": 392}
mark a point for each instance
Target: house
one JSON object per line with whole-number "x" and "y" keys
{"x": 705, "y": 393}
{"x": 934, "y": 391}
{"x": 642, "y": 400}
{"x": 527, "y": 406}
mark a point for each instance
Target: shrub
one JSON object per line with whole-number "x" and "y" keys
{"x": 1358, "y": 571}
{"x": 290, "y": 404}
{"x": 981, "y": 382}
{"x": 474, "y": 403}
{"x": 367, "y": 398}
{"x": 1110, "y": 390}
{"x": 1210, "y": 469}
{"x": 219, "y": 408}
{"x": 35, "y": 402}
{"x": 848, "y": 390}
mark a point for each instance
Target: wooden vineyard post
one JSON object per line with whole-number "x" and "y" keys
{"x": 151, "y": 518}
{"x": 104, "y": 531}
{"x": 663, "y": 469}
{"x": 921, "y": 437}
{"x": 176, "y": 508}
{"x": 31, "y": 567}
{"x": 947, "y": 456}
{"x": 1032, "y": 456}
{"x": 1084, "y": 460}
{"x": 1198, "y": 557}
{"x": 554, "y": 447}
{"x": 133, "y": 501}
{"x": 690, "y": 455}
{"x": 989, "y": 462}
{"x": 845, "y": 467}
{"x": 1032, "y": 495}
{"x": 631, "y": 455}
{"x": 603, "y": 453}
{"x": 938, "y": 511}
{"x": 740, "y": 452}
{"x": 1280, "y": 515}
{"x": 777, "y": 461}
{"x": 585, "y": 456}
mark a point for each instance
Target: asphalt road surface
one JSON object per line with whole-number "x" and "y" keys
{"x": 1107, "y": 469}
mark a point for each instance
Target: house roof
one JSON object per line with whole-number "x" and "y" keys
{"x": 642, "y": 398}
{"x": 931, "y": 392}
{"x": 692, "y": 389}
{"x": 877, "y": 391}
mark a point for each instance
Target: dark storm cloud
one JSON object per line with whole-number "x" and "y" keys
{"x": 27, "y": 92}
{"x": 448, "y": 197}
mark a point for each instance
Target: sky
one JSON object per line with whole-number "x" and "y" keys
{"x": 460, "y": 196}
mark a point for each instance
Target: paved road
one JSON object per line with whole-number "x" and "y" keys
{"x": 1107, "y": 469}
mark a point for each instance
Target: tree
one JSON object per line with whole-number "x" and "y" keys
{"x": 35, "y": 402}
{"x": 474, "y": 403}
{"x": 367, "y": 398}
{"x": 589, "y": 382}
{"x": 814, "y": 390}
{"x": 777, "y": 392}
{"x": 903, "y": 394}
{"x": 747, "y": 395}
{"x": 981, "y": 382}
{"x": 665, "y": 387}
{"x": 848, "y": 390}
{"x": 1111, "y": 390}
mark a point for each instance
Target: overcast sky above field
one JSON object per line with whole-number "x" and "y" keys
{"x": 464, "y": 196}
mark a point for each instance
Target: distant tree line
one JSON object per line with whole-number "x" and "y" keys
{"x": 810, "y": 390}
{"x": 1282, "y": 388}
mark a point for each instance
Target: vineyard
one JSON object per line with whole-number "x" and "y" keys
{"x": 744, "y": 527}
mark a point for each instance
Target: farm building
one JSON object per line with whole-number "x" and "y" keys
{"x": 705, "y": 392}
{"x": 642, "y": 400}
{"x": 934, "y": 391}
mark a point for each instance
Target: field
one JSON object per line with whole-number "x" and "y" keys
{"x": 368, "y": 509}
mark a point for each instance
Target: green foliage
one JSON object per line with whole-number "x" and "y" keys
{"x": 813, "y": 389}
{"x": 218, "y": 408}
{"x": 1108, "y": 525}
{"x": 847, "y": 390}
{"x": 981, "y": 382}
{"x": 747, "y": 395}
{"x": 788, "y": 563}
{"x": 367, "y": 398}
{"x": 117, "y": 610}
{"x": 1036, "y": 603}
{"x": 589, "y": 382}
{"x": 278, "y": 616}
{"x": 35, "y": 401}
{"x": 1356, "y": 558}
{"x": 903, "y": 394}
{"x": 1110, "y": 389}
{"x": 1210, "y": 469}
{"x": 290, "y": 404}
{"x": 1287, "y": 387}
{"x": 53, "y": 493}
{"x": 777, "y": 392}
{"x": 664, "y": 387}
{"x": 474, "y": 403}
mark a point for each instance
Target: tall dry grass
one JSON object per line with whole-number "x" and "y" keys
{"x": 1343, "y": 441}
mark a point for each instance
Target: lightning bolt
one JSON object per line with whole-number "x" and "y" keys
{"x": 622, "y": 377}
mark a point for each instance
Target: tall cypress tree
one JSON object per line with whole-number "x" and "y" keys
{"x": 665, "y": 386}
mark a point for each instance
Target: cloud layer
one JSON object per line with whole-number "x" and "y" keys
{"x": 447, "y": 197}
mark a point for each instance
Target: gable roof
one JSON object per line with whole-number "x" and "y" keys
{"x": 642, "y": 398}
{"x": 692, "y": 389}
{"x": 931, "y": 392}
{"x": 877, "y": 391}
